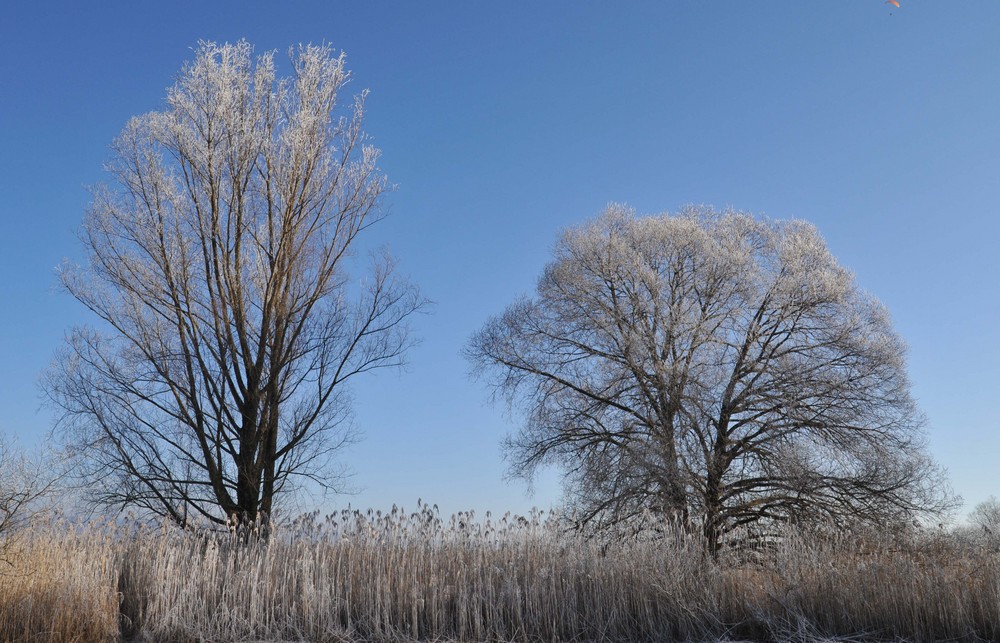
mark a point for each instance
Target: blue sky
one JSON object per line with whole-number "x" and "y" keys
{"x": 502, "y": 123}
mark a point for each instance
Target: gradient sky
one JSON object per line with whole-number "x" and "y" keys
{"x": 501, "y": 123}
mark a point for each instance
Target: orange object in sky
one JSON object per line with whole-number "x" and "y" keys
{"x": 893, "y": 2}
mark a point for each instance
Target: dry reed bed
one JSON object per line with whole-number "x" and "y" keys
{"x": 400, "y": 576}
{"x": 58, "y": 584}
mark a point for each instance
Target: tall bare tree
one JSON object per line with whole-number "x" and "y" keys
{"x": 218, "y": 259}
{"x": 711, "y": 368}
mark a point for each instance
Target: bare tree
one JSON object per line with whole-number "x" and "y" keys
{"x": 986, "y": 517}
{"x": 218, "y": 259}
{"x": 713, "y": 369}
{"x": 28, "y": 481}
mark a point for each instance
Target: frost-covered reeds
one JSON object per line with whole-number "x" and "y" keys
{"x": 397, "y": 576}
{"x": 401, "y": 576}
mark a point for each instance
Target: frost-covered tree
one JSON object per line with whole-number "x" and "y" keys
{"x": 218, "y": 267}
{"x": 26, "y": 481}
{"x": 986, "y": 516}
{"x": 712, "y": 368}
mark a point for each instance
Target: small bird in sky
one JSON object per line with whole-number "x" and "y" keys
{"x": 894, "y": 3}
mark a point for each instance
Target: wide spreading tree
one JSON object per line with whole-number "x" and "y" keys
{"x": 710, "y": 368}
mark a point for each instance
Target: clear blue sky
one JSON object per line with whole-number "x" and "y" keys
{"x": 504, "y": 122}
